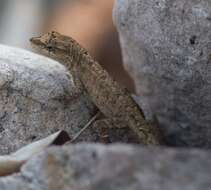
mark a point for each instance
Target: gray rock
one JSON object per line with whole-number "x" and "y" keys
{"x": 116, "y": 167}
{"x": 37, "y": 98}
{"x": 166, "y": 47}
{"x": 13, "y": 182}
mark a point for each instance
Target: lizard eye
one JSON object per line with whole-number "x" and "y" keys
{"x": 50, "y": 48}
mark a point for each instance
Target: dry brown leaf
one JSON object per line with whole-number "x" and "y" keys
{"x": 13, "y": 162}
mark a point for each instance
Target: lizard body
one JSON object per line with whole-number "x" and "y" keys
{"x": 112, "y": 100}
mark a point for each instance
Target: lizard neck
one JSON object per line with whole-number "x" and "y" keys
{"x": 79, "y": 57}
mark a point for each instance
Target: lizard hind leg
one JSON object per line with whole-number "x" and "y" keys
{"x": 112, "y": 130}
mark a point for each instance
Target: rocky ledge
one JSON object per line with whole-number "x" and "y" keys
{"x": 114, "y": 167}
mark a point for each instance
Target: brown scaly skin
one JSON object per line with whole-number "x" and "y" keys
{"x": 112, "y": 100}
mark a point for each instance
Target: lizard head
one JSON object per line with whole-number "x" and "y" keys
{"x": 58, "y": 46}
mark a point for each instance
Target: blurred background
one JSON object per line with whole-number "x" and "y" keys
{"x": 87, "y": 21}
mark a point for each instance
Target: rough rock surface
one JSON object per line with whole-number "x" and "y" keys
{"x": 37, "y": 98}
{"x": 116, "y": 167}
{"x": 167, "y": 50}
{"x": 14, "y": 182}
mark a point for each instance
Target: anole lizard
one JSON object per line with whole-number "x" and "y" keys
{"x": 112, "y": 100}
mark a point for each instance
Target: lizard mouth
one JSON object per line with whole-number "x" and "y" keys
{"x": 41, "y": 47}
{"x": 36, "y": 41}
{"x": 38, "y": 44}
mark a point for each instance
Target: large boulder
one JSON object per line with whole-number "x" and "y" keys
{"x": 166, "y": 47}
{"x": 114, "y": 167}
{"x": 37, "y": 98}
